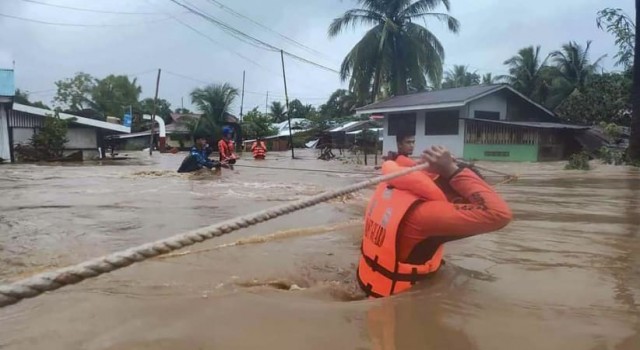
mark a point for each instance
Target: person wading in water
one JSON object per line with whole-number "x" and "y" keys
{"x": 198, "y": 157}
{"x": 408, "y": 220}
{"x": 226, "y": 147}
{"x": 259, "y": 149}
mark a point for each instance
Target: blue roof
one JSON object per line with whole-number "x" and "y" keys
{"x": 7, "y": 83}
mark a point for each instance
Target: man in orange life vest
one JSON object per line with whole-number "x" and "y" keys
{"x": 409, "y": 219}
{"x": 226, "y": 148}
{"x": 406, "y": 144}
{"x": 259, "y": 149}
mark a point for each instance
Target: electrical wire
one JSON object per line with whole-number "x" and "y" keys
{"x": 79, "y": 24}
{"x": 290, "y": 40}
{"x": 90, "y": 10}
{"x": 246, "y": 37}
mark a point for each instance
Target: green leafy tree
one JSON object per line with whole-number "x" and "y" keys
{"x": 573, "y": 64}
{"x": 182, "y": 111}
{"x": 48, "y": 143}
{"x": 459, "y": 76}
{"x": 113, "y": 94}
{"x": 256, "y": 124}
{"x": 163, "y": 108}
{"x": 397, "y": 51}
{"x": 340, "y": 104}
{"x": 299, "y": 110}
{"x": 214, "y": 101}
{"x": 619, "y": 24}
{"x": 278, "y": 112}
{"x": 489, "y": 79}
{"x": 529, "y": 73}
{"x": 22, "y": 97}
{"x": 604, "y": 98}
{"x": 75, "y": 93}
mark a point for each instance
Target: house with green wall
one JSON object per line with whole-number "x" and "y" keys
{"x": 482, "y": 122}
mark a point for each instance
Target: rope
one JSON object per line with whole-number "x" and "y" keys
{"x": 49, "y": 281}
{"x": 297, "y": 232}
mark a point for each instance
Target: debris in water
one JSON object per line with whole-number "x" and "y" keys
{"x": 296, "y": 287}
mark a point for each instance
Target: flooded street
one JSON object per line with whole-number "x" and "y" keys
{"x": 564, "y": 275}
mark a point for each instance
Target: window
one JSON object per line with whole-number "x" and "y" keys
{"x": 441, "y": 123}
{"x": 487, "y": 115}
{"x": 405, "y": 122}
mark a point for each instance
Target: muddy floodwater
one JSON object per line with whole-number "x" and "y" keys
{"x": 564, "y": 275}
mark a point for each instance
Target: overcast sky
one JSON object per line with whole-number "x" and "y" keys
{"x": 138, "y": 44}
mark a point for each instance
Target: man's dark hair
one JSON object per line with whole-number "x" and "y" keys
{"x": 402, "y": 134}
{"x": 199, "y": 135}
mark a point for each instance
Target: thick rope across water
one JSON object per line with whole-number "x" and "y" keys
{"x": 49, "y": 281}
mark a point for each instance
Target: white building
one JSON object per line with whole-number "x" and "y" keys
{"x": 490, "y": 122}
{"x": 18, "y": 124}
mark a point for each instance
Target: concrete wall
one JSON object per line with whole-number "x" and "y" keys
{"x": 5, "y": 147}
{"x": 81, "y": 138}
{"x": 84, "y": 139}
{"x": 22, "y": 136}
{"x": 511, "y": 153}
{"x": 521, "y": 110}
{"x": 493, "y": 103}
{"x": 174, "y": 141}
{"x": 455, "y": 143}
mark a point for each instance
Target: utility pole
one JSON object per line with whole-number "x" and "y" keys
{"x": 242, "y": 99}
{"x": 153, "y": 116}
{"x": 182, "y": 103}
{"x": 266, "y": 104}
{"x": 286, "y": 100}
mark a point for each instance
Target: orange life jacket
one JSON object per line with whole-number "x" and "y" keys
{"x": 259, "y": 150}
{"x": 380, "y": 274}
{"x": 226, "y": 149}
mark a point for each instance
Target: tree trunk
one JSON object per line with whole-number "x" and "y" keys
{"x": 634, "y": 142}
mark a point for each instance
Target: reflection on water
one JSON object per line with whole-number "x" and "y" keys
{"x": 563, "y": 275}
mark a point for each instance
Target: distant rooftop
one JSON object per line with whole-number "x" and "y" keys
{"x": 444, "y": 96}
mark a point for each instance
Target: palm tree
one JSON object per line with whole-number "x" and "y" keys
{"x": 396, "y": 50}
{"x": 489, "y": 79}
{"x": 573, "y": 64}
{"x": 528, "y": 73}
{"x": 278, "y": 113}
{"x": 214, "y": 100}
{"x": 459, "y": 76}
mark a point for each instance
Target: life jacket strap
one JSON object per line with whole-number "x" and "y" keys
{"x": 367, "y": 288}
{"x": 412, "y": 277}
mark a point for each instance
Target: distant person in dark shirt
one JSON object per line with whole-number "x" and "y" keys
{"x": 198, "y": 157}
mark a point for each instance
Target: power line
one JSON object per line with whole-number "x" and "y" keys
{"x": 90, "y": 10}
{"x": 238, "y": 34}
{"x": 246, "y": 91}
{"x": 213, "y": 40}
{"x": 293, "y": 41}
{"x": 79, "y": 24}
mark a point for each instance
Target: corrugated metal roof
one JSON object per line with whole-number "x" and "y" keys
{"x": 76, "y": 119}
{"x": 7, "y": 83}
{"x": 539, "y": 125}
{"x": 344, "y": 126}
{"x": 445, "y": 96}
